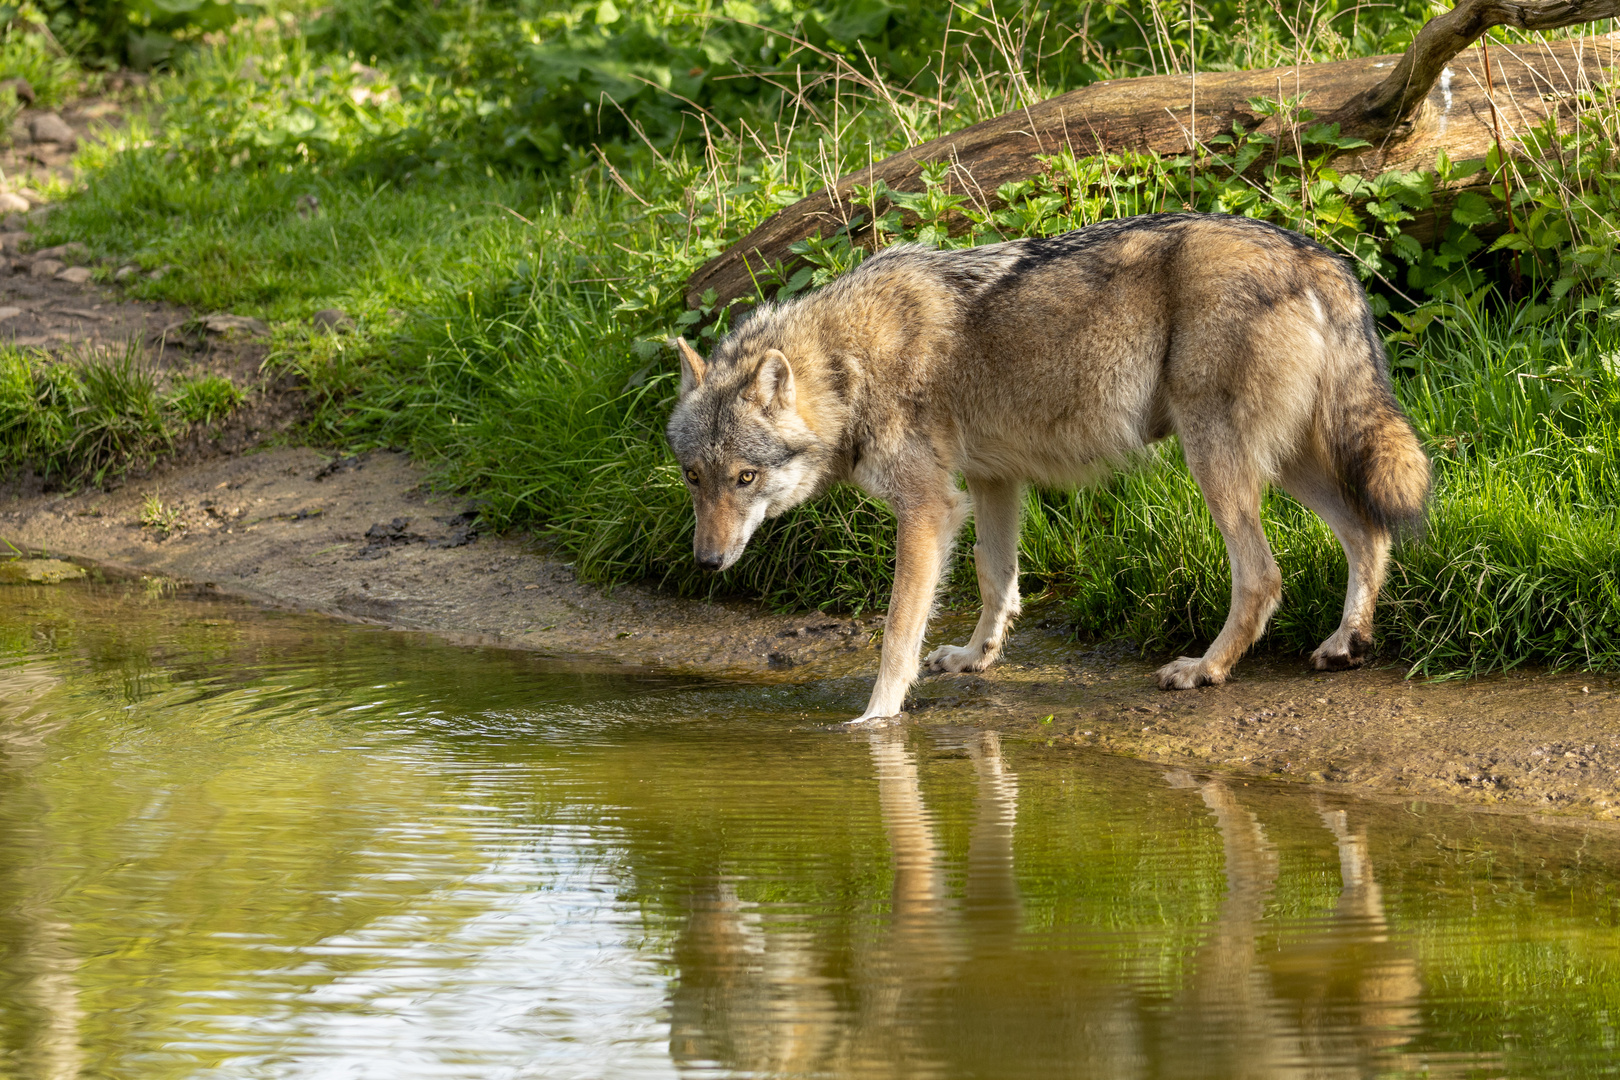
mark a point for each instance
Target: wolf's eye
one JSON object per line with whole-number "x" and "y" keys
{"x": 691, "y": 476}
{"x": 745, "y": 477}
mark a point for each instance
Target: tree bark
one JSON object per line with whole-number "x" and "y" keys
{"x": 1393, "y": 103}
{"x": 1433, "y": 97}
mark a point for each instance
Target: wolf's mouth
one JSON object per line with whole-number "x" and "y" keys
{"x": 717, "y": 563}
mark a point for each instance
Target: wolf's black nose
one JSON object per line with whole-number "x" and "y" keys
{"x": 710, "y": 561}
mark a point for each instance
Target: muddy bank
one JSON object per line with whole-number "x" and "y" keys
{"x": 359, "y": 539}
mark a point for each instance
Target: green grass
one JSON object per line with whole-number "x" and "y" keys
{"x": 91, "y": 418}
{"x": 55, "y": 78}
{"x": 512, "y": 305}
{"x": 80, "y": 421}
{"x": 1520, "y": 560}
{"x": 205, "y": 399}
{"x": 237, "y": 242}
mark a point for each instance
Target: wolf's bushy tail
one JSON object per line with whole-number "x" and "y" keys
{"x": 1379, "y": 462}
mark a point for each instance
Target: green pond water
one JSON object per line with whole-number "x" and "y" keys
{"x": 241, "y": 843}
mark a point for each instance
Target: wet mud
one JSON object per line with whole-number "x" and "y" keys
{"x": 362, "y": 539}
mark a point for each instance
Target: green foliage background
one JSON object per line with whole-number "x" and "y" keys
{"x": 141, "y": 34}
{"x": 536, "y": 83}
{"x": 509, "y": 197}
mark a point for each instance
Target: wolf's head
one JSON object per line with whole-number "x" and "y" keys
{"x": 744, "y": 448}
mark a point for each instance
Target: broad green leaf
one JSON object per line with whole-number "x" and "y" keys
{"x": 1472, "y": 209}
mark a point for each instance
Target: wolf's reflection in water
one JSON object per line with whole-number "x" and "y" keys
{"x": 1315, "y": 1004}
{"x": 942, "y": 985}
{"x": 791, "y": 1003}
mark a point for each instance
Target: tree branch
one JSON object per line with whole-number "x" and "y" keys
{"x": 1379, "y": 98}
{"x": 1385, "y": 108}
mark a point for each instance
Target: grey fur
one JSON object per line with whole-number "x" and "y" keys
{"x": 1049, "y": 361}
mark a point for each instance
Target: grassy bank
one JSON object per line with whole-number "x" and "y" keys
{"x": 513, "y": 250}
{"x": 86, "y": 419}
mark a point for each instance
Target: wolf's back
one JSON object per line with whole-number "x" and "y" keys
{"x": 1375, "y": 453}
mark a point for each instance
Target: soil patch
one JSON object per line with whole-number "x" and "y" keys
{"x": 359, "y": 538}
{"x": 57, "y": 301}
{"x": 49, "y": 297}
{"x": 73, "y": 319}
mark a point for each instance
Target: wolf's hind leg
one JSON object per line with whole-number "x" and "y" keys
{"x": 1231, "y": 487}
{"x": 995, "y": 556}
{"x": 1366, "y": 549}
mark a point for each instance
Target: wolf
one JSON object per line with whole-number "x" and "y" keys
{"x": 1050, "y": 361}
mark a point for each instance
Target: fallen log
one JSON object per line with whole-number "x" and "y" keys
{"x": 1436, "y": 96}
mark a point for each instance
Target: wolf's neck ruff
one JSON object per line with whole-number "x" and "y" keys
{"x": 1044, "y": 361}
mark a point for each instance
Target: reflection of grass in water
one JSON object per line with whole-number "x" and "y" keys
{"x": 293, "y": 807}
{"x": 1122, "y": 886}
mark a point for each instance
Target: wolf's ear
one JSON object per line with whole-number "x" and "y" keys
{"x": 773, "y": 381}
{"x": 692, "y": 367}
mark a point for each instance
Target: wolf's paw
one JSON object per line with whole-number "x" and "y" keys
{"x": 1345, "y": 649}
{"x": 1186, "y": 672}
{"x": 873, "y": 721}
{"x": 959, "y": 658}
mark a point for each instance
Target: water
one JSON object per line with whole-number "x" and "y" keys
{"x": 253, "y": 844}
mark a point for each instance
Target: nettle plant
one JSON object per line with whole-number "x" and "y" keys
{"x": 1557, "y": 252}
{"x": 1244, "y": 172}
{"x": 1565, "y": 221}
{"x": 1564, "y": 226}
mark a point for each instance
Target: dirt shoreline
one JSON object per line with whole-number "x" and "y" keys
{"x": 359, "y": 539}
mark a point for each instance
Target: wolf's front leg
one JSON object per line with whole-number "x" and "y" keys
{"x": 995, "y": 518}
{"x": 923, "y": 542}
